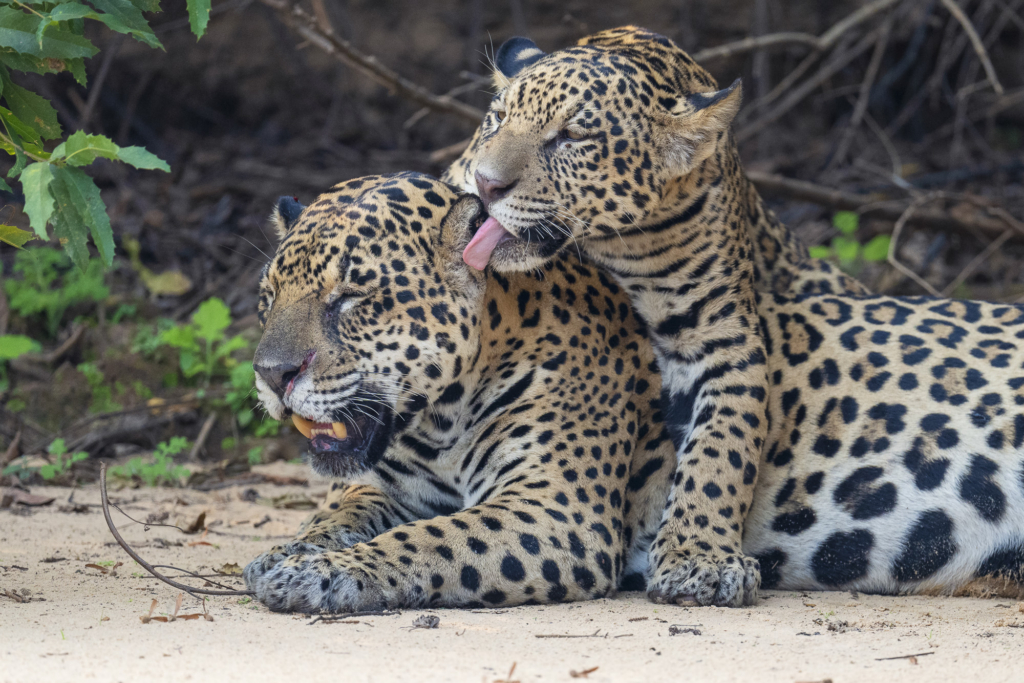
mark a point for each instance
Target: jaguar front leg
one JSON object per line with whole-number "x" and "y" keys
{"x": 351, "y": 514}
{"x": 516, "y": 548}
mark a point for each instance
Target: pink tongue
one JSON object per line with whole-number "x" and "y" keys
{"x": 478, "y": 252}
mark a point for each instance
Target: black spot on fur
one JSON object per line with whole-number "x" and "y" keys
{"x": 843, "y": 557}
{"x": 927, "y": 548}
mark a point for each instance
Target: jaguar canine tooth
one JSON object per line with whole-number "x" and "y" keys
{"x": 340, "y": 430}
{"x": 303, "y": 425}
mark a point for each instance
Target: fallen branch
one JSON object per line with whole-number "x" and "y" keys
{"x": 307, "y": 26}
{"x": 868, "y": 204}
{"x": 146, "y": 565}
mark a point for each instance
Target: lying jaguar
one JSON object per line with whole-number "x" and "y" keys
{"x": 501, "y": 439}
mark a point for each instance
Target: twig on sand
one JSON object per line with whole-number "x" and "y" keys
{"x": 194, "y": 592}
{"x": 916, "y": 654}
{"x": 329, "y": 618}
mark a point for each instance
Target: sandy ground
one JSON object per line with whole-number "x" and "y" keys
{"x": 81, "y": 624}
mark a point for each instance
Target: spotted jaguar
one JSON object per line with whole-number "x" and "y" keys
{"x": 619, "y": 149}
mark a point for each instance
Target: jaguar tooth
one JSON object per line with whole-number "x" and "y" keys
{"x": 302, "y": 424}
{"x": 340, "y": 430}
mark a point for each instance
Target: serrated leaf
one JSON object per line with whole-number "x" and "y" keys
{"x": 81, "y": 149}
{"x": 820, "y": 251}
{"x": 846, "y": 222}
{"x": 77, "y": 69}
{"x": 18, "y": 32}
{"x": 16, "y": 126}
{"x": 30, "y": 64}
{"x": 211, "y": 319}
{"x": 86, "y": 197}
{"x": 124, "y": 17}
{"x": 35, "y": 183}
{"x": 33, "y": 110}
{"x": 140, "y": 157}
{"x": 5, "y": 187}
{"x": 16, "y": 149}
{"x": 15, "y": 345}
{"x": 845, "y": 248}
{"x": 198, "y": 16}
{"x": 16, "y": 237}
{"x": 68, "y": 226}
{"x": 147, "y": 5}
{"x": 877, "y": 249}
{"x": 69, "y": 11}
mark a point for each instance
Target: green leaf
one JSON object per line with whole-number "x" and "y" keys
{"x": 846, "y": 222}
{"x": 198, "y": 16}
{"x": 18, "y": 31}
{"x": 124, "y": 17}
{"x": 211, "y": 319}
{"x": 86, "y": 197}
{"x": 236, "y": 343}
{"x": 16, "y": 237}
{"x": 33, "y": 110}
{"x": 15, "y": 345}
{"x": 57, "y": 447}
{"x": 16, "y": 148}
{"x": 69, "y": 11}
{"x": 81, "y": 149}
{"x": 846, "y": 249}
{"x": 35, "y": 183}
{"x": 820, "y": 251}
{"x": 5, "y": 187}
{"x": 77, "y": 69}
{"x": 35, "y": 65}
{"x": 68, "y": 225}
{"x": 877, "y": 249}
{"x": 15, "y": 125}
{"x": 147, "y": 5}
{"x": 180, "y": 337}
{"x": 139, "y": 157}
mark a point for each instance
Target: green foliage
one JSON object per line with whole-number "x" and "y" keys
{"x": 62, "y": 460}
{"x": 13, "y": 346}
{"x": 845, "y": 248}
{"x": 161, "y": 470}
{"x": 203, "y": 347}
{"x": 15, "y": 237}
{"x": 102, "y": 395}
{"x": 48, "y": 36}
{"x": 48, "y": 287}
{"x": 61, "y": 465}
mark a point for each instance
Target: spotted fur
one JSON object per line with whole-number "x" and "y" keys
{"x": 620, "y": 148}
{"x": 517, "y": 454}
{"x": 521, "y": 454}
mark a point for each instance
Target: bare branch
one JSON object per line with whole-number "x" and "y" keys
{"x": 868, "y": 204}
{"x": 976, "y": 43}
{"x": 307, "y": 26}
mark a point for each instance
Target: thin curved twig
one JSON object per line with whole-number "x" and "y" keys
{"x": 146, "y": 565}
{"x": 979, "y": 47}
{"x": 893, "y": 241}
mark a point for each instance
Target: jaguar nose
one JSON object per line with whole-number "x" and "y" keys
{"x": 492, "y": 189}
{"x": 278, "y": 377}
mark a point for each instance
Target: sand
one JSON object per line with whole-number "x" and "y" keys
{"x": 81, "y": 624}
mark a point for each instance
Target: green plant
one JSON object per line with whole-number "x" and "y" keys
{"x": 44, "y": 37}
{"x": 242, "y": 402}
{"x": 13, "y": 346}
{"x": 49, "y": 286}
{"x": 102, "y": 395}
{"x": 62, "y": 460}
{"x": 203, "y": 347}
{"x": 845, "y": 248}
{"x": 161, "y": 470}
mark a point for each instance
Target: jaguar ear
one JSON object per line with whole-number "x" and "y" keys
{"x": 514, "y": 55}
{"x": 695, "y": 124}
{"x": 286, "y": 212}
{"x": 457, "y": 229}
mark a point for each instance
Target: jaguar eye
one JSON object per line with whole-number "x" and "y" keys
{"x": 501, "y": 114}
{"x": 575, "y": 133}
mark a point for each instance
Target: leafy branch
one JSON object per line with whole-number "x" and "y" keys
{"x": 46, "y": 37}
